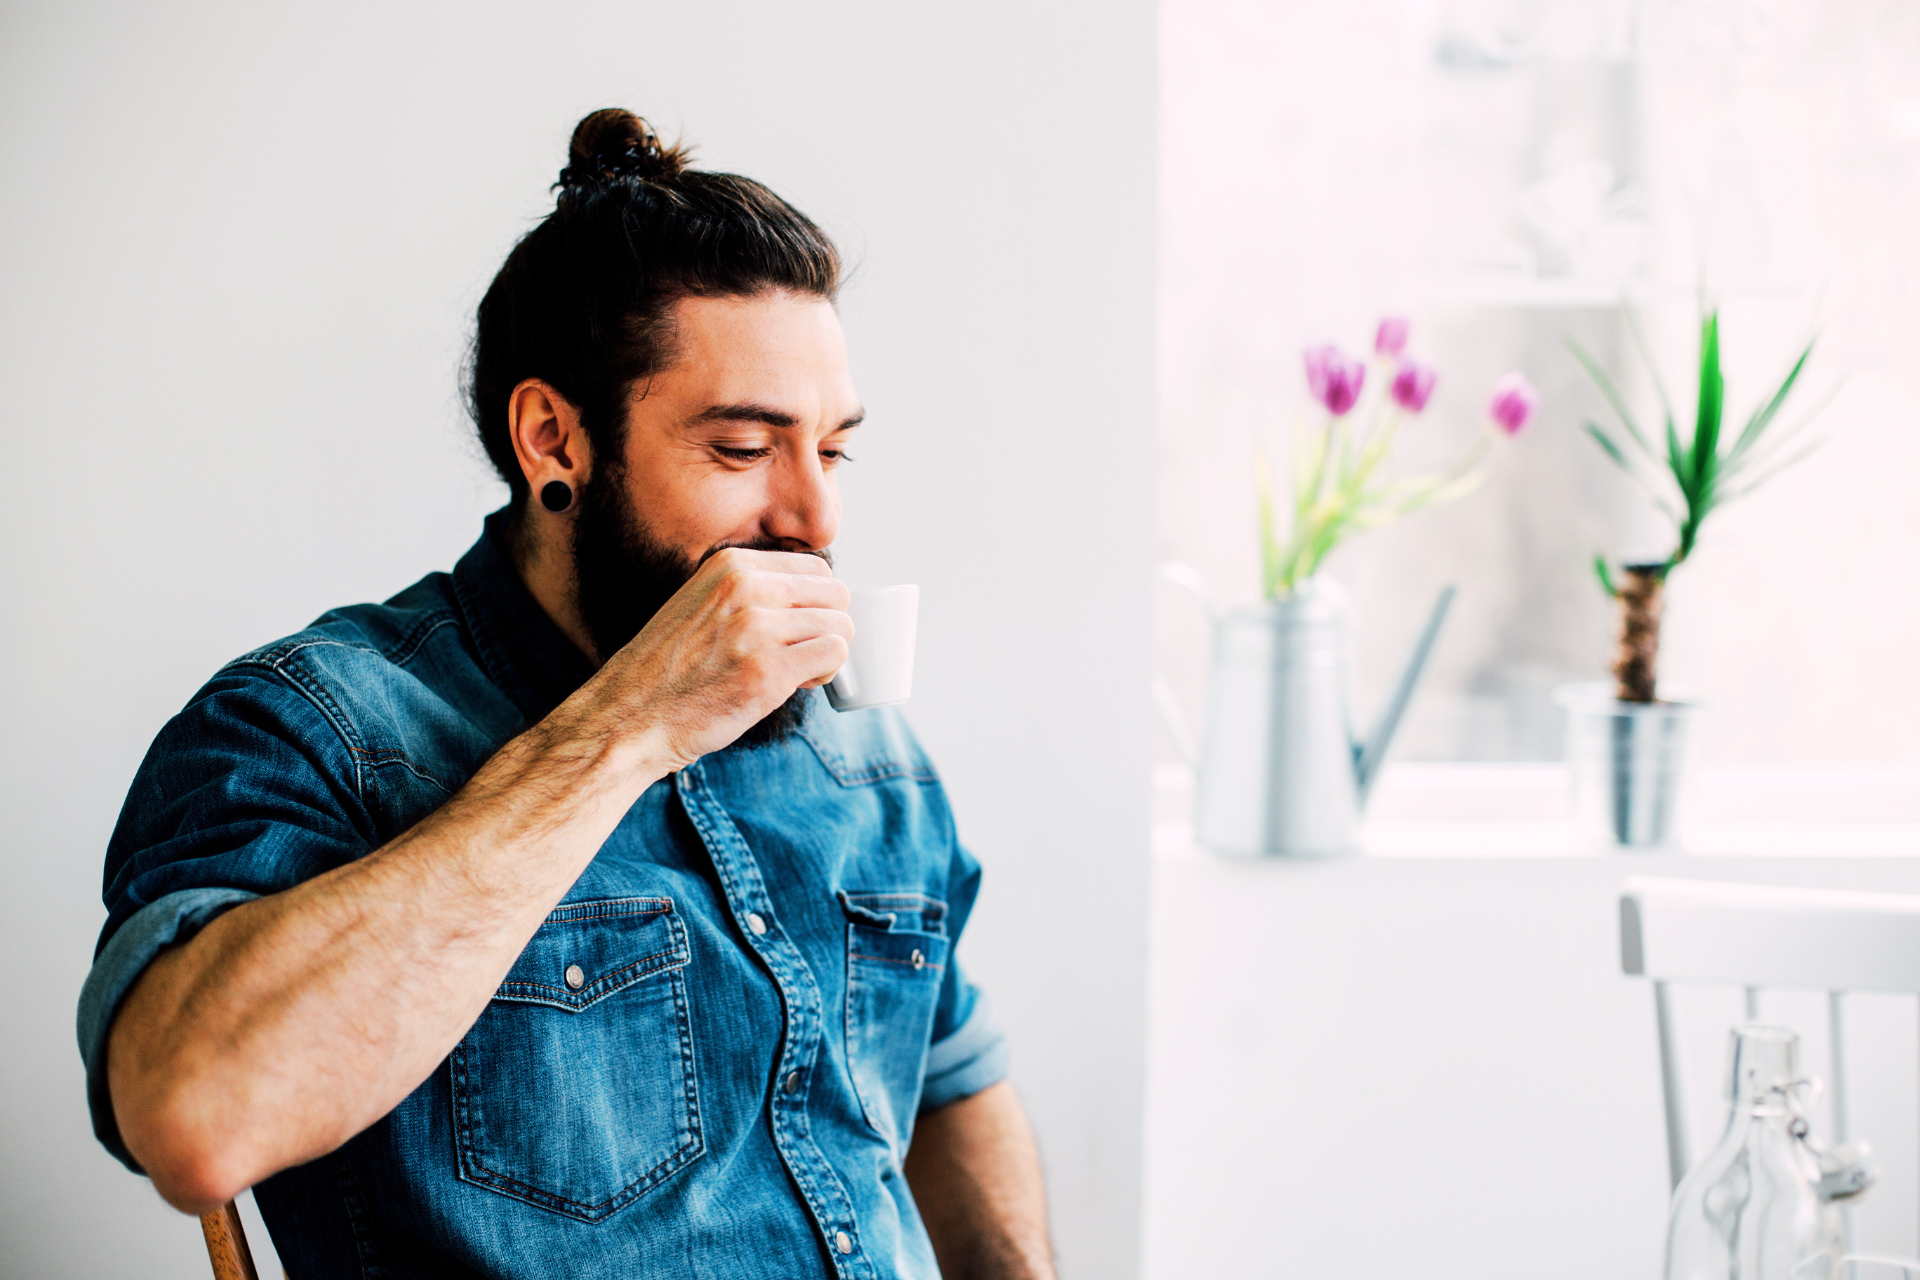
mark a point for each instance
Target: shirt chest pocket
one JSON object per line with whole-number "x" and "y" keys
{"x": 575, "y": 1090}
{"x": 896, "y": 959}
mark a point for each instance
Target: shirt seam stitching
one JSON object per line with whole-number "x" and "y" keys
{"x": 284, "y": 661}
{"x": 303, "y": 683}
{"x": 677, "y": 953}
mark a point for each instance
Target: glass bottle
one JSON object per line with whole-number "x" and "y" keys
{"x": 1753, "y": 1209}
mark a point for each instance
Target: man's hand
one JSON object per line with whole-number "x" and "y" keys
{"x": 975, "y": 1174}
{"x": 747, "y": 629}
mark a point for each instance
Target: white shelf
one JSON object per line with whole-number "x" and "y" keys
{"x": 1525, "y": 811}
{"x": 1583, "y": 292}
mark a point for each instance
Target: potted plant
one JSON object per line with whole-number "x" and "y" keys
{"x": 1282, "y": 769}
{"x": 1628, "y": 746}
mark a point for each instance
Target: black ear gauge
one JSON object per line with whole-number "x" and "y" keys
{"x": 556, "y": 496}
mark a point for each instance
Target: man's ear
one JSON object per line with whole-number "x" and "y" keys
{"x": 548, "y": 440}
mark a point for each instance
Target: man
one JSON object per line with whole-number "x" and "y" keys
{"x": 544, "y": 918}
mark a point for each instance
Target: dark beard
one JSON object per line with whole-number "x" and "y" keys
{"x": 623, "y": 575}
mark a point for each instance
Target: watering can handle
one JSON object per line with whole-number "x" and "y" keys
{"x": 1368, "y": 758}
{"x": 1175, "y": 721}
{"x": 1164, "y": 701}
{"x": 1184, "y": 575}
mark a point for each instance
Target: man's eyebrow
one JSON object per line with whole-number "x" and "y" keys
{"x": 751, "y": 412}
{"x": 748, "y": 412}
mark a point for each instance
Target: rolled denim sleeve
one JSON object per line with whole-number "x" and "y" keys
{"x": 174, "y": 919}
{"x": 246, "y": 792}
{"x": 967, "y": 1061}
{"x": 969, "y": 1051}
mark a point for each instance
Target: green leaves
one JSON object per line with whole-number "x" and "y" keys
{"x": 1605, "y": 575}
{"x": 1750, "y": 433}
{"x": 1613, "y": 450}
{"x": 1713, "y": 392}
{"x": 1271, "y": 559}
{"x": 1337, "y": 491}
{"x": 1698, "y": 470}
{"x": 1607, "y": 389}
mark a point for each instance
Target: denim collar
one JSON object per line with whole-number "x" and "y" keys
{"x": 523, "y": 651}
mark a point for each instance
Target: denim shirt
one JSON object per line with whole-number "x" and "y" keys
{"x": 708, "y": 1059}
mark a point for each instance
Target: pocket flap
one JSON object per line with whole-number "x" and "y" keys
{"x": 586, "y": 951}
{"x": 900, "y": 910}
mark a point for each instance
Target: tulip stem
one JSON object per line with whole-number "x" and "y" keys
{"x": 1336, "y": 491}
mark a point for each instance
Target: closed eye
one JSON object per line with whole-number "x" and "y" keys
{"x": 734, "y": 453}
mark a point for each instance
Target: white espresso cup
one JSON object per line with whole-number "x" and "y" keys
{"x": 879, "y": 667}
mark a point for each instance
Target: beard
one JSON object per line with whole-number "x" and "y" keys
{"x": 623, "y": 575}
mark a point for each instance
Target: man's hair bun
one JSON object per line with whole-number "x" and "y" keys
{"x": 611, "y": 145}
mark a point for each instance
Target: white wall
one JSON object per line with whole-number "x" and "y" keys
{"x": 241, "y": 249}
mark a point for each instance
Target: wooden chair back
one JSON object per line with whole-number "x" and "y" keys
{"x": 227, "y": 1244}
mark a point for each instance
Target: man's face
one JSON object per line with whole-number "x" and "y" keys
{"x": 735, "y": 443}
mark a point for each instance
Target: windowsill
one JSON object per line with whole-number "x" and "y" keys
{"x": 1526, "y": 811}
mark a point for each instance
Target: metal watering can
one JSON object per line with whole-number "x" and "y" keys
{"x": 1280, "y": 769}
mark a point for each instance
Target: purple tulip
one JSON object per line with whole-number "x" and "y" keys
{"x": 1390, "y": 339}
{"x": 1514, "y": 403}
{"x": 1334, "y": 380}
{"x": 1413, "y": 385}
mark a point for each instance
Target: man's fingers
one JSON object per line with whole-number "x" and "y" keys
{"x": 796, "y": 562}
{"x": 772, "y": 589}
{"x": 815, "y": 593}
{"x": 792, "y": 626}
{"x": 815, "y": 661}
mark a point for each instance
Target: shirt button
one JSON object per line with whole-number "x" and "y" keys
{"x": 576, "y": 976}
{"x": 918, "y": 959}
{"x": 792, "y": 1083}
{"x": 755, "y": 923}
{"x": 843, "y": 1242}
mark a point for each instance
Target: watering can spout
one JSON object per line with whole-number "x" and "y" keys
{"x": 1368, "y": 755}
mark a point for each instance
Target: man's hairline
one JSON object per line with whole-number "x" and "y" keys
{"x": 666, "y": 326}
{"x": 666, "y": 335}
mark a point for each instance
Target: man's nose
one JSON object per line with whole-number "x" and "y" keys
{"x": 805, "y": 507}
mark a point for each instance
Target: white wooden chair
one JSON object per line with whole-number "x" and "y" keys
{"x": 1757, "y": 936}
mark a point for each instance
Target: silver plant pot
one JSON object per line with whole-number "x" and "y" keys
{"x": 1629, "y": 763}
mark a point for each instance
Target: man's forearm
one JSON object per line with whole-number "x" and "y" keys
{"x": 975, "y": 1174}
{"x": 292, "y": 1022}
